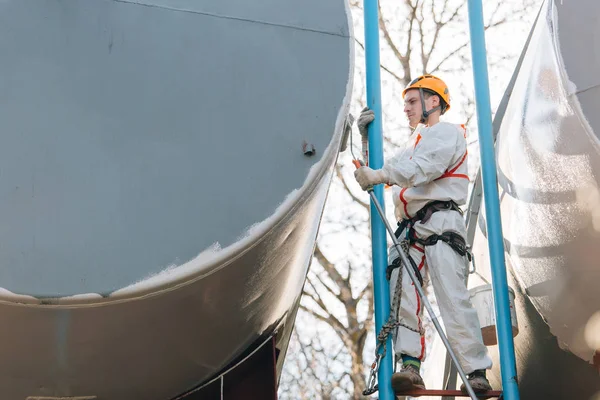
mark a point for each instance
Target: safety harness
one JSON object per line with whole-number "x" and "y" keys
{"x": 451, "y": 238}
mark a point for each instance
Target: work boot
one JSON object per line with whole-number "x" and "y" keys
{"x": 478, "y": 382}
{"x": 407, "y": 379}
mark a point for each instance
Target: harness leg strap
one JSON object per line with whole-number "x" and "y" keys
{"x": 397, "y": 263}
{"x": 452, "y": 239}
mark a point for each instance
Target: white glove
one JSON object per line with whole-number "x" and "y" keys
{"x": 367, "y": 177}
{"x": 366, "y": 117}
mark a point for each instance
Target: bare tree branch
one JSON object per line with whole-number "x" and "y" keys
{"x": 494, "y": 12}
{"x": 449, "y": 56}
{"x": 331, "y": 320}
{"x": 420, "y": 22}
{"x": 329, "y": 289}
{"x": 329, "y": 267}
{"x": 406, "y": 61}
{"x": 387, "y": 36}
{"x": 439, "y": 25}
{"x": 386, "y": 69}
{"x": 454, "y": 14}
{"x": 338, "y": 172}
{"x": 304, "y": 351}
{"x": 366, "y": 291}
{"x": 463, "y": 46}
{"x": 349, "y": 276}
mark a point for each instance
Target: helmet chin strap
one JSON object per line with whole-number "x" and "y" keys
{"x": 426, "y": 114}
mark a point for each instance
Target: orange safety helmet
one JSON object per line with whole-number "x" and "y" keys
{"x": 433, "y": 84}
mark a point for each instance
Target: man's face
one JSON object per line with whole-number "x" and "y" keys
{"x": 413, "y": 108}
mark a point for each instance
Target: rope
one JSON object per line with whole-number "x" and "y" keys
{"x": 390, "y": 326}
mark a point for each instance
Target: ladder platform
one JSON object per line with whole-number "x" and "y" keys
{"x": 491, "y": 394}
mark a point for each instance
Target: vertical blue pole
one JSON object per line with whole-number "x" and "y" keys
{"x": 492, "y": 204}
{"x": 378, "y": 233}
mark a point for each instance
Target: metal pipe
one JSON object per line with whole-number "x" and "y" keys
{"x": 379, "y": 249}
{"x": 492, "y": 203}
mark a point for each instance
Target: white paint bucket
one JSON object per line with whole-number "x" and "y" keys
{"x": 482, "y": 298}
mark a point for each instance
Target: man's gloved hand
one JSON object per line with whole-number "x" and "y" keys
{"x": 366, "y": 117}
{"x": 367, "y": 177}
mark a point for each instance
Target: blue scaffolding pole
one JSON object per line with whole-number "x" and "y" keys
{"x": 378, "y": 232}
{"x": 492, "y": 204}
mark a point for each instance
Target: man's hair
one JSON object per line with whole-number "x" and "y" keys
{"x": 428, "y": 93}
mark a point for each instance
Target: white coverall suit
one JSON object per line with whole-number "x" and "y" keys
{"x": 434, "y": 167}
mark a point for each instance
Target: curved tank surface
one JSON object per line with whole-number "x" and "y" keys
{"x": 163, "y": 172}
{"x": 548, "y": 154}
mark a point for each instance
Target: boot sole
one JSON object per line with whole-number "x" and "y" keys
{"x": 477, "y": 391}
{"x": 403, "y": 385}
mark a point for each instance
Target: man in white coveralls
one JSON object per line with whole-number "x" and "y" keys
{"x": 430, "y": 180}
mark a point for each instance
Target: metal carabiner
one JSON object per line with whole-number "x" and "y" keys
{"x": 471, "y": 271}
{"x": 371, "y": 386}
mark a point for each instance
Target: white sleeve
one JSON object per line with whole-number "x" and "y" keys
{"x": 431, "y": 158}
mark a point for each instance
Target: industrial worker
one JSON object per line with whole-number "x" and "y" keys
{"x": 429, "y": 181}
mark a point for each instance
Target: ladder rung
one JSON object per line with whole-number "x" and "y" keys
{"x": 456, "y": 393}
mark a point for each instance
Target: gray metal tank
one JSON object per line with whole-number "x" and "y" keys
{"x": 163, "y": 170}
